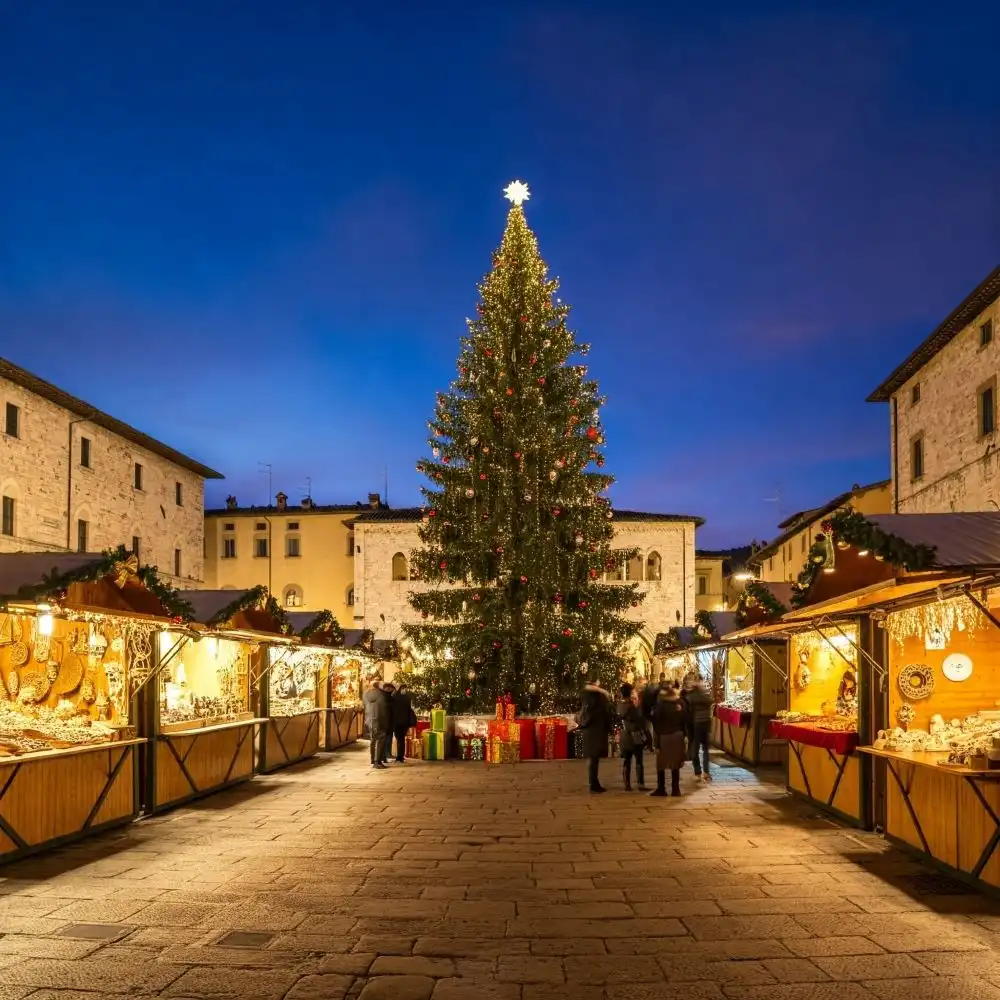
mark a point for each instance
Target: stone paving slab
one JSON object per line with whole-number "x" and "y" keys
{"x": 457, "y": 880}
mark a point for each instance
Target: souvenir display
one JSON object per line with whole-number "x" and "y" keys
{"x": 205, "y": 684}
{"x": 905, "y": 714}
{"x": 292, "y": 680}
{"x": 916, "y": 681}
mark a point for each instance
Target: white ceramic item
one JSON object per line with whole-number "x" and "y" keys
{"x": 957, "y": 667}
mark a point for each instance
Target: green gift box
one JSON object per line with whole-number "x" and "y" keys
{"x": 439, "y": 720}
{"x": 434, "y": 745}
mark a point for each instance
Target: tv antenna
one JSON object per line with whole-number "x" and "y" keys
{"x": 264, "y": 469}
{"x": 777, "y": 501}
{"x": 309, "y": 487}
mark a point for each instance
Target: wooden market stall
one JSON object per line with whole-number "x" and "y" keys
{"x": 353, "y": 665}
{"x": 204, "y": 712}
{"x": 77, "y": 644}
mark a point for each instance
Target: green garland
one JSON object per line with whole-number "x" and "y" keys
{"x": 54, "y": 584}
{"x": 704, "y": 625}
{"x": 324, "y": 622}
{"x": 760, "y": 593}
{"x": 855, "y": 529}
{"x": 666, "y": 642}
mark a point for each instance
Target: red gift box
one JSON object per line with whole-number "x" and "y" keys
{"x": 520, "y": 731}
{"x": 421, "y": 725}
{"x": 553, "y": 739}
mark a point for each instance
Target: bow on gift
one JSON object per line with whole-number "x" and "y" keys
{"x": 125, "y": 569}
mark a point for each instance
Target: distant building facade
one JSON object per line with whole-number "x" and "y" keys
{"x": 73, "y": 478}
{"x": 943, "y": 412}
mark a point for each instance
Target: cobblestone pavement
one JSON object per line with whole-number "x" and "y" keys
{"x": 462, "y": 880}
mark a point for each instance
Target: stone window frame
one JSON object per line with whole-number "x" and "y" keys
{"x": 138, "y": 477}
{"x": 229, "y": 543}
{"x": 12, "y": 427}
{"x": 86, "y": 452}
{"x": 8, "y": 501}
{"x": 400, "y": 570}
{"x": 990, "y": 385}
{"x": 914, "y": 441}
{"x": 293, "y": 540}
{"x": 291, "y": 594}
{"x": 915, "y": 393}
{"x": 986, "y": 333}
{"x": 653, "y": 569}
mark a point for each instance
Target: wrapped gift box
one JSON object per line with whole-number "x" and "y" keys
{"x": 520, "y": 731}
{"x": 434, "y": 744}
{"x": 504, "y": 752}
{"x": 552, "y": 739}
{"x": 439, "y": 720}
{"x": 471, "y": 747}
{"x": 421, "y": 727}
{"x": 414, "y": 748}
{"x": 471, "y": 725}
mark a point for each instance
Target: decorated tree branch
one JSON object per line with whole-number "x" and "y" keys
{"x": 516, "y": 533}
{"x": 757, "y": 595}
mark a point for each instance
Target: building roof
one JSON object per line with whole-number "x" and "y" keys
{"x": 208, "y": 603}
{"x": 29, "y": 569}
{"x": 965, "y": 540}
{"x": 794, "y": 524}
{"x": 300, "y": 620}
{"x": 415, "y": 513}
{"x": 53, "y": 394}
{"x": 967, "y": 310}
{"x": 270, "y": 511}
{"x": 390, "y": 514}
{"x": 642, "y": 515}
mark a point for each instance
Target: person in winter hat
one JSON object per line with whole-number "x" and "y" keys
{"x": 632, "y": 738}
{"x": 595, "y": 721}
{"x": 669, "y": 725}
{"x": 699, "y": 706}
{"x": 377, "y": 720}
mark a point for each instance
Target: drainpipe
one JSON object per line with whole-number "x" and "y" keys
{"x": 684, "y": 577}
{"x": 895, "y": 454}
{"x": 270, "y": 554}
{"x": 69, "y": 483}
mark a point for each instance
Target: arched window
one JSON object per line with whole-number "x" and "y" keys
{"x": 399, "y": 567}
{"x": 653, "y": 566}
{"x": 349, "y": 598}
{"x": 292, "y": 596}
{"x": 634, "y": 569}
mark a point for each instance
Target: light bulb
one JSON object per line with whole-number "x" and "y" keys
{"x": 45, "y": 624}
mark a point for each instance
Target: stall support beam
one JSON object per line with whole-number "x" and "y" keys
{"x": 113, "y": 773}
{"x": 5, "y": 827}
{"x": 994, "y": 841}
{"x": 982, "y": 607}
{"x": 904, "y": 791}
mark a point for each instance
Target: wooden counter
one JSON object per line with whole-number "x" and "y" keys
{"x": 52, "y": 797}
{"x": 826, "y": 777}
{"x": 344, "y": 726}
{"x": 289, "y": 738}
{"x": 737, "y": 740}
{"x": 189, "y": 764}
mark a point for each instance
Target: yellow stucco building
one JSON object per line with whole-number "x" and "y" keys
{"x": 782, "y": 560}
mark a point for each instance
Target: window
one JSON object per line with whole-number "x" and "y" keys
{"x": 82, "y": 531}
{"x": 702, "y": 585}
{"x": 653, "y": 566}
{"x": 228, "y": 548}
{"x": 292, "y": 597}
{"x": 136, "y": 546}
{"x": 292, "y": 526}
{"x": 915, "y": 395}
{"x": 261, "y": 526}
{"x": 634, "y": 569}
{"x": 177, "y": 562}
{"x": 12, "y": 426}
{"x": 137, "y": 476}
{"x": 350, "y": 543}
{"x": 229, "y": 526}
{"x": 770, "y": 562}
{"x": 260, "y": 548}
{"x": 85, "y": 453}
{"x": 803, "y": 547}
{"x": 350, "y": 597}
{"x": 7, "y": 522}
{"x": 292, "y": 547}
{"x": 986, "y": 333}
{"x": 987, "y": 409}
{"x": 399, "y": 567}
{"x": 917, "y": 458}
{"x": 179, "y": 494}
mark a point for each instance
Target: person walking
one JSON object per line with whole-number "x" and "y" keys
{"x": 669, "y": 726}
{"x": 632, "y": 738}
{"x": 699, "y": 701}
{"x": 403, "y": 719}
{"x": 596, "y": 718}
{"x": 376, "y": 721}
{"x": 389, "y": 693}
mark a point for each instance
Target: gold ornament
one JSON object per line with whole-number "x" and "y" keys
{"x": 19, "y": 654}
{"x": 124, "y": 570}
{"x": 916, "y": 681}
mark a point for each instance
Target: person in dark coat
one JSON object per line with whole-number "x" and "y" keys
{"x": 699, "y": 706}
{"x": 669, "y": 726}
{"x": 632, "y": 738}
{"x": 647, "y": 700}
{"x": 596, "y": 720}
{"x": 377, "y": 721}
{"x": 388, "y": 692}
{"x": 403, "y": 719}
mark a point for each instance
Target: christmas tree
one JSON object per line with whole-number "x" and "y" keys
{"x": 516, "y": 536}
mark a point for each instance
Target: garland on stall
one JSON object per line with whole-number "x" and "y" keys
{"x": 119, "y": 563}
{"x": 277, "y": 612}
{"x": 758, "y": 595}
{"x": 666, "y": 642}
{"x": 254, "y": 598}
{"x": 849, "y": 527}
{"x": 324, "y": 624}
{"x": 704, "y": 625}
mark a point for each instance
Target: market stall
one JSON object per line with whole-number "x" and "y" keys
{"x": 205, "y": 711}
{"x": 77, "y": 643}
{"x": 355, "y": 665}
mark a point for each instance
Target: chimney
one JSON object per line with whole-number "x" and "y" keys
{"x": 374, "y": 501}
{"x": 282, "y": 500}
{"x": 307, "y": 503}
{"x": 231, "y": 503}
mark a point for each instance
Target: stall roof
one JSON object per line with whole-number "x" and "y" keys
{"x": 29, "y": 569}
{"x": 967, "y": 539}
{"x": 208, "y": 603}
{"x": 358, "y": 639}
{"x": 775, "y": 630}
{"x": 301, "y": 620}
{"x": 867, "y": 598}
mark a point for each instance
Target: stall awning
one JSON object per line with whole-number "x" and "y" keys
{"x": 776, "y": 630}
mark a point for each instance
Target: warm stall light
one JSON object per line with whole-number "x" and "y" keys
{"x": 828, "y": 569}
{"x": 213, "y": 647}
{"x": 166, "y": 641}
{"x": 44, "y": 607}
{"x": 840, "y": 641}
{"x": 45, "y": 624}
{"x": 339, "y": 661}
{"x": 743, "y": 577}
{"x": 180, "y": 674}
{"x": 863, "y": 552}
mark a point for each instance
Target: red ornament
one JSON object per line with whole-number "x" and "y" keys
{"x": 592, "y": 433}
{"x": 541, "y": 380}
{"x": 423, "y": 614}
{"x": 517, "y": 454}
{"x": 534, "y": 358}
{"x": 555, "y": 645}
{"x": 432, "y": 513}
{"x": 583, "y": 604}
{"x": 462, "y": 370}
{"x": 635, "y": 604}
{"x": 482, "y": 475}
{"x": 510, "y": 391}
{"x": 488, "y": 351}
{"x": 524, "y": 579}
{"x": 524, "y": 319}
{"x": 556, "y": 511}
{"x": 558, "y": 598}
{"x": 567, "y": 632}
{"x": 476, "y": 597}
{"x": 500, "y": 550}
{"x": 593, "y": 574}
{"x": 446, "y": 459}
{"x": 600, "y": 463}
{"x": 496, "y": 645}
{"x": 468, "y": 692}
{"x": 444, "y": 564}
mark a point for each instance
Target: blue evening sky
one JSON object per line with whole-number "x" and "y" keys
{"x": 253, "y": 228}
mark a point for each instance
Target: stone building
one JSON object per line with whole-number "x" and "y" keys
{"x": 664, "y": 569}
{"x": 943, "y": 412}
{"x": 73, "y": 478}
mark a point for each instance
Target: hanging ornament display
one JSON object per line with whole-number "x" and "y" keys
{"x": 916, "y": 681}
{"x": 470, "y": 493}
{"x": 935, "y": 621}
{"x": 553, "y": 475}
{"x": 905, "y": 714}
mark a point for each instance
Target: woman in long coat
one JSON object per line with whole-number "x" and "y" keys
{"x": 669, "y": 725}
{"x": 596, "y": 719}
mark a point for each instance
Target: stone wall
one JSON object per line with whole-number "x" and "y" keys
{"x": 961, "y": 467}
{"x": 37, "y": 471}
{"x": 381, "y": 603}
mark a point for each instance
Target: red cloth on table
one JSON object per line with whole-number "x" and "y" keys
{"x": 732, "y": 716}
{"x": 802, "y": 732}
{"x": 559, "y": 730}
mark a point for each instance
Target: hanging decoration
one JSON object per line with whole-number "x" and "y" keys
{"x": 916, "y": 681}
{"x": 957, "y": 667}
{"x": 931, "y": 621}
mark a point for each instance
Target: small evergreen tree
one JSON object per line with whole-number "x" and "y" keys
{"x": 516, "y": 535}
